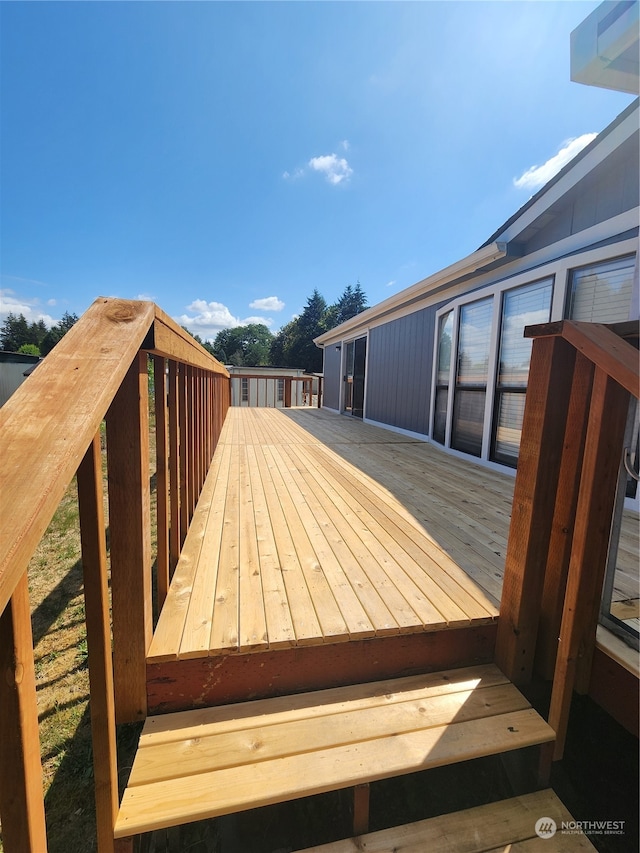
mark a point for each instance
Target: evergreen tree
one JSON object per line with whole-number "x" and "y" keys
{"x": 302, "y": 352}
{"x": 57, "y": 332}
{"x": 353, "y": 301}
{"x": 281, "y": 345}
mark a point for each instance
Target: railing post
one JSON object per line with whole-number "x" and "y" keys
{"x": 130, "y": 538}
{"x": 183, "y": 464}
{"x": 162, "y": 478}
{"x": 21, "y": 798}
{"x": 557, "y": 568}
{"x": 600, "y": 470}
{"x": 96, "y": 596}
{"x": 550, "y": 379}
{"x": 174, "y": 468}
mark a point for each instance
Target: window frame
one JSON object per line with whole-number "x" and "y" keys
{"x": 500, "y": 389}
{"x": 559, "y": 270}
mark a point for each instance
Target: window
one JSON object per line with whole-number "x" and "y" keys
{"x": 445, "y": 339}
{"x": 245, "y": 390}
{"x": 601, "y": 293}
{"x": 522, "y": 306}
{"x": 474, "y": 338}
{"x": 280, "y": 390}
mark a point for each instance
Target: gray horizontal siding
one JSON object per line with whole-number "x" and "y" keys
{"x": 399, "y": 368}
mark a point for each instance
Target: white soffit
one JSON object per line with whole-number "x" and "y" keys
{"x": 605, "y": 48}
{"x": 472, "y": 263}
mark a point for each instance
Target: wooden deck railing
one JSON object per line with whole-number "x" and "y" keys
{"x": 581, "y": 381}
{"x": 49, "y": 430}
{"x": 264, "y": 390}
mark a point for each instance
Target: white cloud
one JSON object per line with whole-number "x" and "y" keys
{"x": 206, "y": 319}
{"x": 335, "y": 169}
{"x": 11, "y": 303}
{"x": 391, "y": 283}
{"x": 537, "y": 176}
{"x": 293, "y": 176}
{"x": 269, "y": 303}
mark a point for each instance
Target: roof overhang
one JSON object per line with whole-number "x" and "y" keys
{"x": 605, "y": 48}
{"x": 481, "y": 258}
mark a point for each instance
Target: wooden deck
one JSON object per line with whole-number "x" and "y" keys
{"x": 315, "y": 529}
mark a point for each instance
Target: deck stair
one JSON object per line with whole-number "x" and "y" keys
{"x": 206, "y": 763}
{"x": 508, "y": 825}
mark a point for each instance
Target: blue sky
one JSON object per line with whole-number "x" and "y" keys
{"x": 226, "y": 158}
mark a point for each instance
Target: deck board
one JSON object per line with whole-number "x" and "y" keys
{"x": 314, "y": 528}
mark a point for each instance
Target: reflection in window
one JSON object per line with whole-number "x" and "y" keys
{"x": 522, "y": 306}
{"x": 471, "y": 379}
{"x": 445, "y": 337}
{"x": 601, "y": 293}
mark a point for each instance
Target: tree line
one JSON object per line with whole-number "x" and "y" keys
{"x": 18, "y": 335}
{"x": 254, "y": 345}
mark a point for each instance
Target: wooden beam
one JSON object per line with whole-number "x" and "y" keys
{"x": 130, "y": 538}
{"x": 183, "y": 464}
{"x": 602, "y": 344}
{"x": 21, "y": 796}
{"x": 545, "y": 416}
{"x": 361, "y": 809}
{"x": 96, "y": 597}
{"x": 162, "y": 478}
{"x": 601, "y": 465}
{"x": 563, "y": 519}
{"x": 170, "y": 340}
{"x": 219, "y": 680}
{"x": 174, "y": 467}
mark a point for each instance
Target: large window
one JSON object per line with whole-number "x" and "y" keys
{"x": 474, "y": 339}
{"x": 445, "y": 340}
{"x": 482, "y": 359}
{"x": 601, "y": 293}
{"x": 522, "y": 306}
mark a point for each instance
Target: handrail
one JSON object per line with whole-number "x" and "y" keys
{"x": 49, "y": 430}
{"x": 604, "y": 345}
{"x": 48, "y": 423}
{"x": 581, "y": 379}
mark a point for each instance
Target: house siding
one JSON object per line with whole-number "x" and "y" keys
{"x": 331, "y": 382}
{"x": 399, "y": 369}
{"x": 611, "y": 189}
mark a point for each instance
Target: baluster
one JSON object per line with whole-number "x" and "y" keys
{"x": 96, "y": 597}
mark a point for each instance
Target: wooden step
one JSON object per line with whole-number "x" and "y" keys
{"x": 200, "y": 764}
{"x": 506, "y": 825}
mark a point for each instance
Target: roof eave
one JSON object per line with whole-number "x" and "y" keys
{"x": 484, "y": 256}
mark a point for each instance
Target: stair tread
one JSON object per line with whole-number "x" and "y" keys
{"x": 507, "y": 824}
{"x": 200, "y": 764}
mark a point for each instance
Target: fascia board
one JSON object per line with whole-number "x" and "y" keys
{"x": 582, "y": 168}
{"x": 473, "y": 262}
